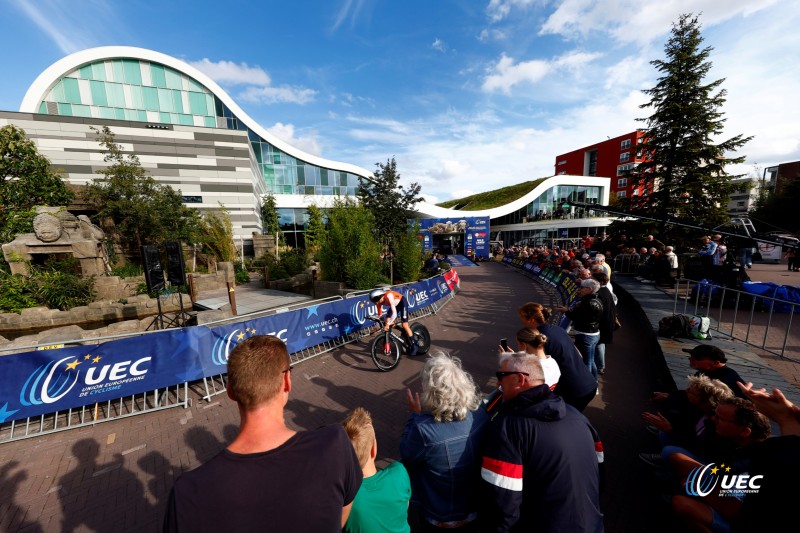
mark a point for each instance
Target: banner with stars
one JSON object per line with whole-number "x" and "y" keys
{"x": 45, "y": 381}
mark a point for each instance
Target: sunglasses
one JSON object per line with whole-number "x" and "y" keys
{"x": 500, "y": 374}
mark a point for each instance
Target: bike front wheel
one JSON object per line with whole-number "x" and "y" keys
{"x": 422, "y": 337}
{"x": 385, "y": 352}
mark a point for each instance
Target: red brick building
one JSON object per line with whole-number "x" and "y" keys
{"x": 613, "y": 158}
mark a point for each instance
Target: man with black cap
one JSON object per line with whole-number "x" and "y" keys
{"x": 711, "y": 361}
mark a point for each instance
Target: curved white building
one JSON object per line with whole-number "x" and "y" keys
{"x": 190, "y": 134}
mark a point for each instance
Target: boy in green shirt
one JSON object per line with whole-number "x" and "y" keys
{"x": 381, "y": 504}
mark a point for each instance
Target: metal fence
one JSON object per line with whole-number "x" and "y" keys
{"x": 761, "y": 321}
{"x": 137, "y": 404}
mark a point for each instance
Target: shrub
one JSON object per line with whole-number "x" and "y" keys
{"x": 241, "y": 274}
{"x": 128, "y": 270}
{"x": 62, "y": 290}
{"x": 16, "y": 293}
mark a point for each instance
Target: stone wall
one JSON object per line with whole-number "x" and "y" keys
{"x": 62, "y": 333}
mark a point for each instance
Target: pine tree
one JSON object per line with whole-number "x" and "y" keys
{"x": 684, "y": 171}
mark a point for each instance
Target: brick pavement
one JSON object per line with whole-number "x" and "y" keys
{"x": 115, "y": 476}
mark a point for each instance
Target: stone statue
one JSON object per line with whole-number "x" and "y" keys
{"x": 57, "y": 231}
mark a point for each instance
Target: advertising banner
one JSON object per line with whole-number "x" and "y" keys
{"x": 563, "y": 283}
{"x": 44, "y": 381}
{"x": 474, "y": 229}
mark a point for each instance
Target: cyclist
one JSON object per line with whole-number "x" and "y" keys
{"x": 397, "y": 307}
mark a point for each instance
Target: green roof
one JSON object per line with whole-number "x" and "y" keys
{"x": 490, "y": 199}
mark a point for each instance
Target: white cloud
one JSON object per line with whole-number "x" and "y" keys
{"x": 350, "y": 9}
{"x": 505, "y": 73}
{"x": 650, "y": 20}
{"x": 497, "y": 10}
{"x": 274, "y": 95}
{"x": 230, "y": 73}
{"x": 286, "y": 132}
{"x": 439, "y": 45}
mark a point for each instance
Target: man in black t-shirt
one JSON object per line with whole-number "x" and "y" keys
{"x": 270, "y": 478}
{"x": 711, "y": 361}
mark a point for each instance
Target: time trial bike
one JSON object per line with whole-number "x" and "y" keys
{"x": 388, "y": 345}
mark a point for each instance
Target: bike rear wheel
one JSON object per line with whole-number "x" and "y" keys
{"x": 385, "y": 352}
{"x": 422, "y": 337}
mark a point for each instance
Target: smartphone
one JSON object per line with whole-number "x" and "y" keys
{"x": 504, "y": 344}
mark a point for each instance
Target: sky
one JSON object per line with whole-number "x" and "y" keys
{"x": 466, "y": 95}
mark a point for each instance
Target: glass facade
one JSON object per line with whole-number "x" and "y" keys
{"x": 550, "y": 205}
{"x": 142, "y": 91}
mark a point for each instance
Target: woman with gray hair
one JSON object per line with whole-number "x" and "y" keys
{"x": 585, "y": 316}
{"x": 439, "y": 446}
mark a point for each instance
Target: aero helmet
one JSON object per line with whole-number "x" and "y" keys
{"x": 376, "y": 294}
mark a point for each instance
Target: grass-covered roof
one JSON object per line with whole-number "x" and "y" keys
{"x": 490, "y": 199}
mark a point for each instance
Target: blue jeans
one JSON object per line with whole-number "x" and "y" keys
{"x": 600, "y": 356}
{"x": 586, "y": 345}
{"x": 745, "y": 257}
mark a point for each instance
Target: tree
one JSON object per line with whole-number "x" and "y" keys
{"x": 270, "y": 220}
{"x": 684, "y": 170}
{"x": 216, "y": 234}
{"x": 315, "y": 232}
{"x": 409, "y": 254}
{"x": 349, "y": 252}
{"x": 389, "y": 202}
{"x": 143, "y": 211}
{"x": 26, "y": 180}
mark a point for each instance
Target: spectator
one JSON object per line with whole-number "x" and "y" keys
{"x": 540, "y": 458}
{"x": 740, "y": 422}
{"x": 685, "y": 419}
{"x": 237, "y": 489}
{"x": 576, "y": 385}
{"x": 532, "y": 342}
{"x": 708, "y": 254}
{"x": 439, "y": 446}
{"x": 586, "y": 315}
{"x": 652, "y": 242}
{"x": 791, "y": 260}
{"x": 432, "y": 264}
{"x": 381, "y": 504}
{"x": 608, "y": 320}
{"x": 672, "y": 259}
{"x": 711, "y": 361}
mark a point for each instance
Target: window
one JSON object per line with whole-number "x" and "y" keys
{"x": 562, "y": 162}
{"x": 624, "y": 145}
{"x": 622, "y": 182}
{"x": 621, "y": 194}
{"x": 624, "y": 156}
{"x": 624, "y": 170}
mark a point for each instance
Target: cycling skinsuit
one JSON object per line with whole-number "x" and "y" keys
{"x": 397, "y": 307}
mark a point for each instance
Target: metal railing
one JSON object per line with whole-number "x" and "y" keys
{"x": 137, "y": 404}
{"x": 761, "y": 321}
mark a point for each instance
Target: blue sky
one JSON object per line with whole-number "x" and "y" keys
{"x": 467, "y": 95}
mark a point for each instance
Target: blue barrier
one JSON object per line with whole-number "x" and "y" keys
{"x": 564, "y": 284}
{"x": 44, "y": 381}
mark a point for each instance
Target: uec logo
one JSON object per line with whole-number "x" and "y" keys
{"x": 703, "y": 480}
{"x": 49, "y": 383}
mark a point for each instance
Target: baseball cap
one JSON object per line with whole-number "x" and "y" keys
{"x": 706, "y": 351}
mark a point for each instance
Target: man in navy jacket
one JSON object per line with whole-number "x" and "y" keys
{"x": 541, "y": 458}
